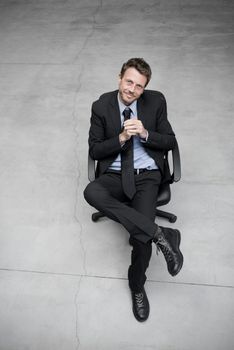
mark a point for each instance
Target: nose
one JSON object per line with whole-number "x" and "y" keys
{"x": 131, "y": 88}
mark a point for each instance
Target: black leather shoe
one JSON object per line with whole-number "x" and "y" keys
{"x": 168, "y": 241}
{"x": 140, "y": 305}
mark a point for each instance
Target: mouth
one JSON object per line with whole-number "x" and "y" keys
{"x": 129, "y": 95}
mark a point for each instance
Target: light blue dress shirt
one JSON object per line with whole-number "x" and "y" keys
{"x": 141, "y": 158}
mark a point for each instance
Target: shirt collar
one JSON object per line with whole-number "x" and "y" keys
{"x": 122, "y": 106}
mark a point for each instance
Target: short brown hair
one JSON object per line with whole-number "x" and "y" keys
{"x": 140, "y": 65}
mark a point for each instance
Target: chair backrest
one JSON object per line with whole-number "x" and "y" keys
{"x": 91, "y": 168}
{"x": 174, "y": 174}
{"x": 176, "y": 163}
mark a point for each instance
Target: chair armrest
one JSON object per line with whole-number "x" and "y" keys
{"x": 176, "y": 163}
{"x": 91, "y": 169}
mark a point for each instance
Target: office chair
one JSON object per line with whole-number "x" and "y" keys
{"x": 164, "y": 195}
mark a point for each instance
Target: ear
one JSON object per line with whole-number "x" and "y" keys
{"x": 119, "y": 78}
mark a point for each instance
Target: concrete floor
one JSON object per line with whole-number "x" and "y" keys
{"x": 63, "y": 278}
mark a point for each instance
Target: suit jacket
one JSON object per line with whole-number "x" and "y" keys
{"x": 105, "y": 127}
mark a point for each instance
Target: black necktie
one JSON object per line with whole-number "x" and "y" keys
{"x": 127, "y": 166}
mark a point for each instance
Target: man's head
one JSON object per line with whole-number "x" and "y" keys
{"x": 133, "y": 78}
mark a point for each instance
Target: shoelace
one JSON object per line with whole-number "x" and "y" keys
{"x": 165, "y": 250}
{"x": 139, "y": 299}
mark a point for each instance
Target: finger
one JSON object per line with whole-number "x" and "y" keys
{"x": 131, "y": 122}
{"x": 132, "y": 130}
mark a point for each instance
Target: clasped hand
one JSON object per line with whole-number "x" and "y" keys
{"x": 133, "y": 127}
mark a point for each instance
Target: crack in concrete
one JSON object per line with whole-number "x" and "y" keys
{"x": 77, "y": 314}
{"x": 76, "y": 132}
{"x": 88, "y": 37}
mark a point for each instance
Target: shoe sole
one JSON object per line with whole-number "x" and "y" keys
{"x": 178, "y": 238}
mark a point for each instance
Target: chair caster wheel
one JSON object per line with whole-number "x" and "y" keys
{"x": 173, "y": 219}
{"x": 96, "y": 216}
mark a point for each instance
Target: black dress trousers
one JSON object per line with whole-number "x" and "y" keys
{"x": 137, "y": 216}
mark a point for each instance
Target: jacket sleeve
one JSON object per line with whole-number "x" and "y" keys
{"x": 101, "y": 146}
{"x": 162, "y": 137}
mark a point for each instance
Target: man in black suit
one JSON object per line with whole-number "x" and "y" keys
{"x": 128, "y": 136}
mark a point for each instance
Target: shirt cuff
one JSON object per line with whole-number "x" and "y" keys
{"x": 143, "y": 140}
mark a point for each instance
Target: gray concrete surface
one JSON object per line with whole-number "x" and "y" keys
{"x": 63, "y": 278}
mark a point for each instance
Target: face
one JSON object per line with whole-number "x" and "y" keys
{"x": 131, "y": 85}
